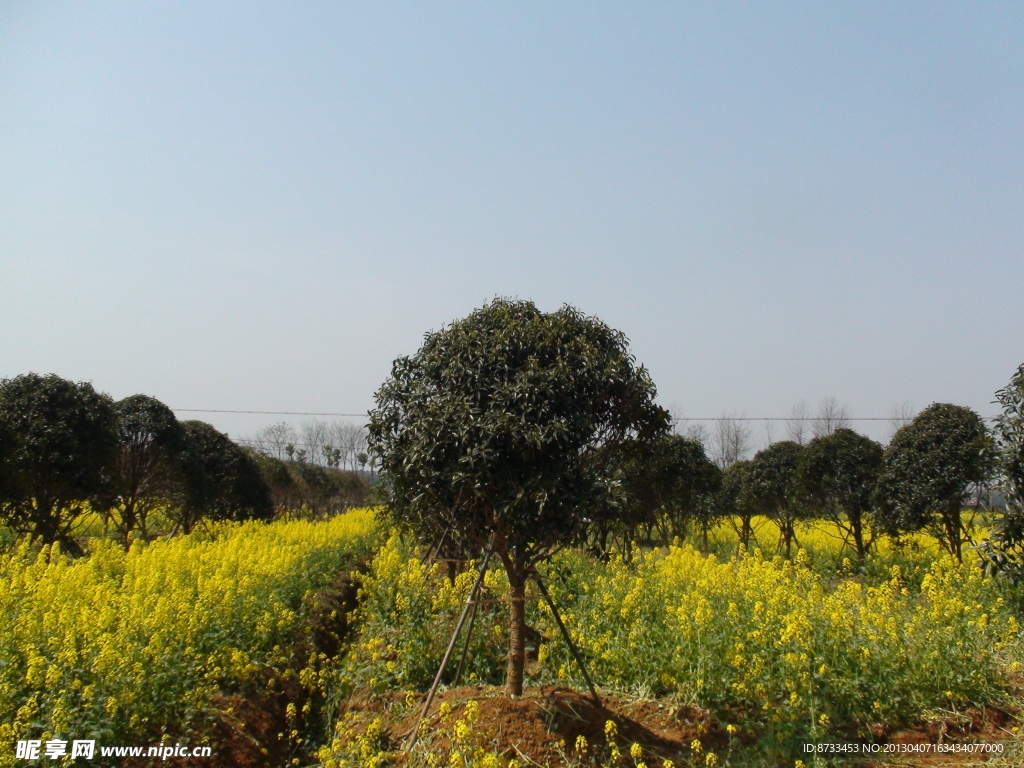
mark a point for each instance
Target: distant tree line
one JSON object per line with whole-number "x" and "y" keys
{"x": 730, "y": 437}
{"x": 67, "y": 450}
{"x": 299, "y": 488}
{"x": 920, "y": 482}
{"x": 336, "y": 445}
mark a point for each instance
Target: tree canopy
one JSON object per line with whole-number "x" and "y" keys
{"x": 62, "y": 446}
{"x": 498, "y": 431}
{"x": 148, "y": 466}
{"x": 837, "y": 474}
{"x": 1009, "y": 434}
{"x": 222, "y": 480}
{"x": 1005, "y": 548}
{"x": 928, "y": 470}
{"x": 735, "y": 497}
{"x": 772, "y": 487}
{"x": 665, "y": 483}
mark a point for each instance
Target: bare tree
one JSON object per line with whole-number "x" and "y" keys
{"x": 697, "y": 430}
{"x": 730, "y": 440}
{"x": 900, "y": 415}
{"x": 316, "y": 440}
{"x": 798, "y": 426}
{"x": 274, "y": 440}
{"x": 350, "y": 439}
{"x": 694, "y": 430}
{"x": 831, "y": 415}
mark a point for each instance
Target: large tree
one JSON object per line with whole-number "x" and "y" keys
{"x": 62, "y": 447}
{"x": 771, "y": 488}
{"x": 837, "y": 474}
{"x": 148, "y": 467}
{"x": 735, "y": 496}
{"x": 497, "y": 433}
{"x": 666, "y": 483}
{"x": 928, "y": 470}
{"x": 222, "y": 480}
{"x": 1005, "y": 549}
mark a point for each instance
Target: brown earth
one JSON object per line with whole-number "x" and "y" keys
{"x": 919, "y": 747}
{"x": 542, "y": 726}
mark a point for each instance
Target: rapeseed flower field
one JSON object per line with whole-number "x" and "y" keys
{"x": 124, "y": 647}
{"x": 781, "y": 652}
{"x": 131, "y": 647}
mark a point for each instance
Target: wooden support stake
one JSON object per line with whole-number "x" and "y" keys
{"x": 435, "y": 548}
{"x": 451, "y": 645}
{"x": 465, "y": 648}
{"x": 565, "y": 633}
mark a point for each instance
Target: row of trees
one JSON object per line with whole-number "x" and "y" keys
{"x": 919, "y": 482}
{"x": 66, "y": 450}
{"x": 730, "y": 438}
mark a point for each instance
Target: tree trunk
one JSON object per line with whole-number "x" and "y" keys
{"x": 954, "y": 530}
{"x": 516, "y": 572}
{"x": 745, "y": 531}
{"x": 786, "y": 530}
{"x": 857, "y": 528}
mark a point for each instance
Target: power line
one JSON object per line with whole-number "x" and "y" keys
{"x": 674, "y": 418}
{"x": 797, "y": 418}
{"x": 267, "y": 413}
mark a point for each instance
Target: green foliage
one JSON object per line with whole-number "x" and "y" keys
{"x": 223, "y": 481}
{"x": 285, "y": 491}
{"x": 327, "y": 491}
{"x": 62, "y": 446}
{"x": 500, "y": 429}
{"x": 1005, "y": 549}
{"x": 837, "y": 474}
{"x": 928, "y": 470}
{"x": 1009, "y": 432}
{"x": 668, "y": 482}
{"x": 495, "y": 424}
{"x": 772, "y": 488}
{"x": 148, "y": 467}
{"x": 309, "y": 490}
{"x": 735, "y": 497}
{"x": 7, "y": 448}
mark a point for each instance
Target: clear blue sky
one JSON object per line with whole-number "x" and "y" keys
{"x": 260, "y": 205}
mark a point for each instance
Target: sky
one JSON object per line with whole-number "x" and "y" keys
{"x": 259, "y": 206}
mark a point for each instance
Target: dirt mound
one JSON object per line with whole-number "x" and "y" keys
{"x": 545, "y": 726}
